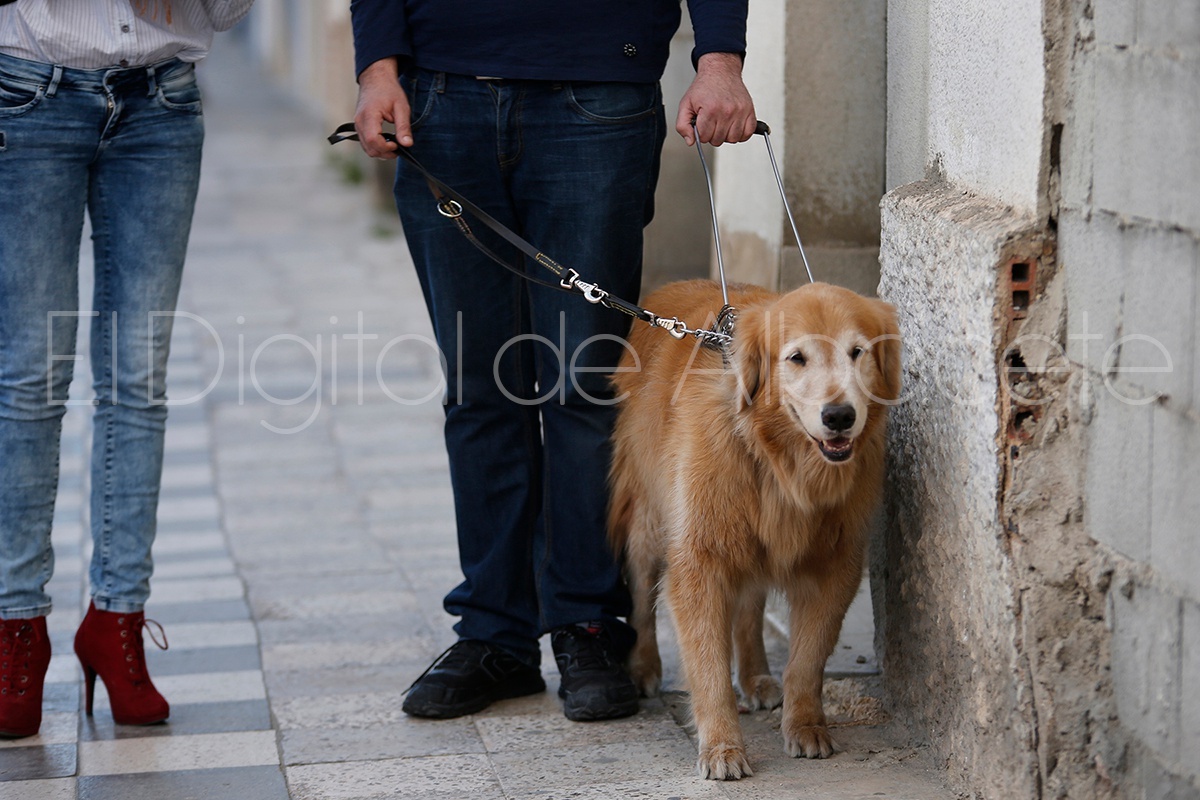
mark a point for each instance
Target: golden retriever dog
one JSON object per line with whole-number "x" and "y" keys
{"x": 732, "y": 478}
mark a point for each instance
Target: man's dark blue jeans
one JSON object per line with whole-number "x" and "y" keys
{"x": 529, "y": 409}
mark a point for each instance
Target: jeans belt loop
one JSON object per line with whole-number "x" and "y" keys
{"x": 55, "y": 77}
{"x": 152, "y": 81}
{"x": 439, "y": 83}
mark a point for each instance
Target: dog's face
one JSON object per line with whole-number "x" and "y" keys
{"x": 822, "y": 357}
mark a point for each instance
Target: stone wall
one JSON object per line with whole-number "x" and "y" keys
{"x": 1037, "y": 581}
{"x": 942, "y": 575}
{"x": 1130, "y": 247}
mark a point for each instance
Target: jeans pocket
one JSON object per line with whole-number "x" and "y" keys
{"x": 18, "y": 96}
{"x": 180, "y": 92}
{"x": 419, "y": 88}
{"x": 614, "y": 102}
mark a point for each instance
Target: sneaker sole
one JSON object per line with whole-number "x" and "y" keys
{"x": 441, "y": 711}
{"x": 597, "y": 709}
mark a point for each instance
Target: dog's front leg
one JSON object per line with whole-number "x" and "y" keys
{"x": 702, "y": 601}
{"x": 817, "y": 608}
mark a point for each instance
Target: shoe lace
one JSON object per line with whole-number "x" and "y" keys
{"x": 14, "y": 660}
{"x": 456, "y": 655}
{"x": 136, "y": 646}
{"x": 590, "y": 650}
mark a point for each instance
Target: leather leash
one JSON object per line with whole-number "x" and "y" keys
{"x": 451, "y": 204}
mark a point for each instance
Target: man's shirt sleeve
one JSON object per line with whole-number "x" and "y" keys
{"x": 380, "y": 31}
{"x": 719, "y": 26}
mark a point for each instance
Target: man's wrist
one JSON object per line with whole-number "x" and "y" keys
{"x": 387, "y": 69}
{"x": 720, "y": 62}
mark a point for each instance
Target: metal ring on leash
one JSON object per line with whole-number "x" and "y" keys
{"x": 450, "y": 208}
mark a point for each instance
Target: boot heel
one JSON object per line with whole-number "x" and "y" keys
{"x": 89, "y": 678}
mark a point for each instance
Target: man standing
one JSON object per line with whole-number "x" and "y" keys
{"x": 547, "y": 115}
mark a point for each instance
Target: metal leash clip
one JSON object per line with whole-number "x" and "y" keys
{"x": 674, "y": 326}
{"x": 590, "y": 291}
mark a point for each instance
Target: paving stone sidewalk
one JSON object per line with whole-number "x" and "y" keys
{"x": 306, "y": 540}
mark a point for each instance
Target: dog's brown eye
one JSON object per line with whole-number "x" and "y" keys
{"x": 855, "y": 353}
{"x": 798, "y": 358}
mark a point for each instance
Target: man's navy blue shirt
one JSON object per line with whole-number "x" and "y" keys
{"x": 577, "y": 40}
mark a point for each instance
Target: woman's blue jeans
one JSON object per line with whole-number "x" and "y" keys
{"x": 124, "y": 144}
{"x": 529, "y": 408}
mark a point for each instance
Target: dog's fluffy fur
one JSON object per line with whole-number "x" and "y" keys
{"x": 728, "y": 480}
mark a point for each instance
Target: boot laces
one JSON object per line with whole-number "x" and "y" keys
{"x": 135, "y": 647}
{"x": 16, "y": 639}
{"x": 591, "y": 648}
{"x": 456, "y": 656}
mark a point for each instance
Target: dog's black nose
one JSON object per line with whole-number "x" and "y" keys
{"x": 839, "y": 418}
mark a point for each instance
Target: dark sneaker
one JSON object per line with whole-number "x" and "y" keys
{"x": 469, "y": 677}
{"x": 595, "y": 684}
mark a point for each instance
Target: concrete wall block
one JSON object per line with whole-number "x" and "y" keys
{"x": 1168, "y": 24}
{"x": 1196, "y": 345}
{"x": 1189, "y": 741}
{"x": 1116, "y": 21}
{"x": 1091, "y": 251}
{"x": 1157, "y": 347}
{"x": 1145, "y": 137}
{"x": 855, "y": 268}
{"x": 1145, "y": 665}
{"x": 836, "y": 58}
{"x": 1118, "y": 483}
{"x": 986, "y": 95}
{"x": 1160, "y": 781}
{"x": 1079, "y": 133}
{"x": 1175, "y": 500}
{"x": 907, "y": 91}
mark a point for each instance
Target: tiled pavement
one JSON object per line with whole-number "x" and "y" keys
{"x": 306, "y": 540}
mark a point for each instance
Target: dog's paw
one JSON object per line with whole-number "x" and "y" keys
{"x": 808, "y": 741}
{"x": 723, "y": 762}
{"x": 763, "y": 691}
{"x": 646, "y": 673}
{"x": 647, "y": 685}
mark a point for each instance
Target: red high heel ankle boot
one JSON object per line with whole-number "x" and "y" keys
{"x": 109, "y": 644}
{"x": 24, "y": 659}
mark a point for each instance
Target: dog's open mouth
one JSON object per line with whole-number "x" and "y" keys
{"x": 837, "y": 449}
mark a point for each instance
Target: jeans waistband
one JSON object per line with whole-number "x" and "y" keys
{"x": 54, "y": 76}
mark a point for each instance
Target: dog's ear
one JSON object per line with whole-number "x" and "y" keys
{"x": 886, "y": 348}
{"x": 749, "y": 356}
